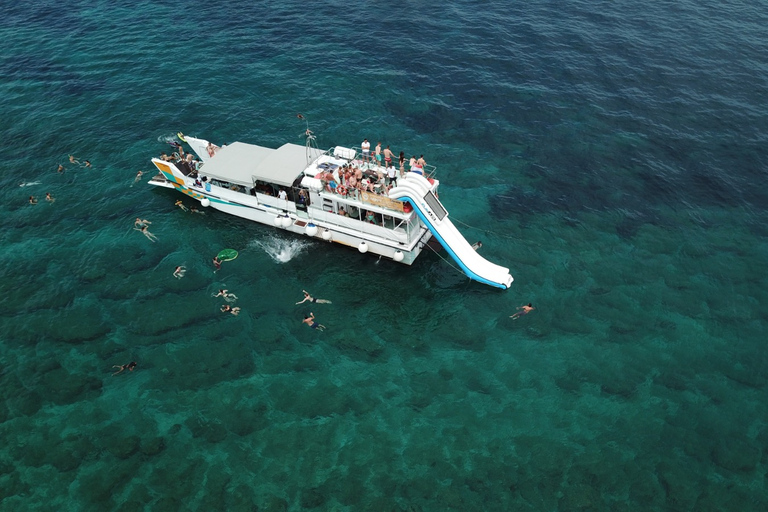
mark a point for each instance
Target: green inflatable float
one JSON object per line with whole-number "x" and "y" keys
{"x": 227, "y": 255}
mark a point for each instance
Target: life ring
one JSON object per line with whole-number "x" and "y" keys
{"x": 341, "y": 190}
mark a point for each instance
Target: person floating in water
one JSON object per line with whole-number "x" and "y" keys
{"x": 145, "y": 231}
{"x": 229, "y": 297}
{"x": 308, "y": 297}
{"x": 138, "y": 177}
{"x": 310, "y": 321}
{"x": 179, "y": 272}
{"x": 217, "y": 262}
{"x": 122, "y": 367}
{"x": 32, "y": 200}
{"x": 49, "y": 197}
{"x": 524, "y": 310}
{"x": 73, "y": 160}
{"x": 226, "y": 308}
{"x": 87, "y": 163}
{"x": 195, "y": 210}
{"x": 477, "y": 245}
{"x": 60, "y": 169}
{"x": 181, "y": 205}
{"x": 141, "y": 223}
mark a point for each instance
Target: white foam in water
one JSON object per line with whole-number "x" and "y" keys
{"x": 279, "y": 249}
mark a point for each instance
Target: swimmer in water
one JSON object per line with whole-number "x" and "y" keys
{"x": 73, "y": 160}
{"x": 179, "y": 272}
{"x": 229, "y": 309}
{"x": 138, "y": 177}
{"x": 229, "y": 297}
{"x": 308, "y": 297}
{"x": 122, "y": 367}
{"x": 524, "y": 310}
{"x": 60, "y": 169}
{"x": 49, "y": 197}
{"x": 195, "y": 210}
{"x": 140, "y": 223}
{"x": 87, "y": 164}
{"x": 477, "y": 245}
{"x": 217, "y": 262}
{"x": 145, "y": 231}
{"x": 181, "y": 205}
{"x": 32, "y": 200}
{"x": 310, "y": 321}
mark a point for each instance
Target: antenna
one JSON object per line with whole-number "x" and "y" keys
{"x": 311, "y": 139}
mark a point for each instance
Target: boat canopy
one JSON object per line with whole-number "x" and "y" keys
{"x": 241, "y": 163}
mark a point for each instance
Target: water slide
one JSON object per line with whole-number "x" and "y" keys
{"x": 417, "y": 190}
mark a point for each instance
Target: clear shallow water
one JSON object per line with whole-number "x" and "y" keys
{"x": 613, "y": 156}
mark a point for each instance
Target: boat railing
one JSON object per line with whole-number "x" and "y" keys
{"x": 354, "y": 155}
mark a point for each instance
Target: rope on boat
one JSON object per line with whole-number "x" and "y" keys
{"x": 445, "y": 260}
{"x": 486, "y": 231}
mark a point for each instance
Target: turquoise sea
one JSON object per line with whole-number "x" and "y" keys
{"x": 613, "y": 155}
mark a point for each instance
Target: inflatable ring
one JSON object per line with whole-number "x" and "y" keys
{"x": 341, "y": 190}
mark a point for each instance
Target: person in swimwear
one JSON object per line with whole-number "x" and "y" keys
{"x": 217, "y": 262}
{"x": 477, "y": 245}
{"x": 524, "y": 310}
{"x": 73, "y": 160}
{"x": 130, "y": 366}
{"x": 181, "y": 205}
{"x": 60, "y": 169}
{"x": 139, "y": 222}
{"x": 308, "y": 297}
{"x": 229, "y": 297}
{"x": 138, "y": 177}
{"x": 32, "y": 200}
{"x": 310, "y": 321}
{"x": 145, "y": 231}
{"x": 179, "y": 272}
{"x": 49, "y": 197}
{"x": 87, "y": 163}
{"x": 229, "y": 309}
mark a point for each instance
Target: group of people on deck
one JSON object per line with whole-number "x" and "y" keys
{"x": 375, "y": 172}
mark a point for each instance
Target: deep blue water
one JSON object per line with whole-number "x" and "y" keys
{"x": 612, "y": 155}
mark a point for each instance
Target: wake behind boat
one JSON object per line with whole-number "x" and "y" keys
{"x": 332, "y": 195}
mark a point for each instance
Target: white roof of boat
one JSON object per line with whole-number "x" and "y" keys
{"x": 240, "y": 163}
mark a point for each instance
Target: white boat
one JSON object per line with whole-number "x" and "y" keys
{"x": 298, "y": 188}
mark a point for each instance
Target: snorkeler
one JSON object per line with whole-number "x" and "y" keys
{"x": 179, "y": 272}
{"x": 229, "y": 309}
{"x": 524, "y": 310}
{"x": 130, "y": 366}
{"x": 229, "y": 297}
{"x": 308, "y": 297}
{"x": 145, "y": 231}
{"x": 310, "y": 321}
